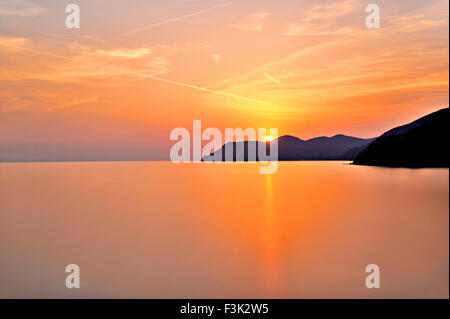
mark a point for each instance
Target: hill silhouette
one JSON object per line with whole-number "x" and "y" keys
{"x": 291, "y": 148}
{"x": 422, "y": 143}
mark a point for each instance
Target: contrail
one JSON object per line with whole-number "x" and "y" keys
{"x": 182, "y": 84}
{"x": 157, "y": 24}
{"x": 271, "y": 78}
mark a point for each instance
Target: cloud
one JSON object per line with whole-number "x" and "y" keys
{"x": 322, "y": 19}
{"x": 13, "y": 42}
{"x": 158, "y": 66}
{"x": 73, "y": 104}
{"x": 261, "y": 15}
{"x": 253, "y": 23}
{"x": 332, "y": 10}
{"x": 216, "y": 57}
{"x": 271, "y": 78}
{"x": 126, "y": 53}
{"x": 21, "y": 9}
{"x": 409, "y": 53}
{"x": 155, "y": 63}
{"x": 299, "y": 29}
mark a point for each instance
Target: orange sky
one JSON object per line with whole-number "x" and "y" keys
{"x": 137, "y": 69}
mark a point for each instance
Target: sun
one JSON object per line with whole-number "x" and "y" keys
{"x": 269, "y": 138}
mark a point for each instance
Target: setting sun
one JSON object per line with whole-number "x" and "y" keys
{"x": 269, "y": 138}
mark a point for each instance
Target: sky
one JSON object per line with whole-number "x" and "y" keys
{"x": 136, "y": 69}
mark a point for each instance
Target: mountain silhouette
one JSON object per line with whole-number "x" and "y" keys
{"x": 422, "y": 143}
{"x": 291, "y": 148}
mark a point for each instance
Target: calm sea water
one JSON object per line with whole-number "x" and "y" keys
{"x": 160, "y": 230}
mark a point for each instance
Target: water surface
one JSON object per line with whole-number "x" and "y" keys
{"x": 160, "y": 230}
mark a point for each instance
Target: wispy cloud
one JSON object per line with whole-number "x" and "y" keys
{"x": 387, "y": 66}
{"x": 148, "y": 76}
{"x": 271, "y": 78}
{"x": 158, "y": 66}
{"x": 332, "y": 10}
{"x": 321, "y": 19}
{"x": 252, "y": 23}
{"x": 300, "y": 29}
{"x": 216, "y": 57}
{"x": 13, "y": 42}
{"x": 261, "y": 15}
{"x": 73, "y": 104}
{"x": 126, "y": 53}
{"x": 20, "y": 8}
